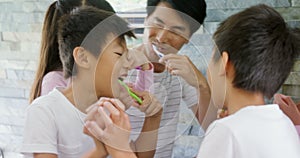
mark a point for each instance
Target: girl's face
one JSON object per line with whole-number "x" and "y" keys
{"x": 112, "y": 64}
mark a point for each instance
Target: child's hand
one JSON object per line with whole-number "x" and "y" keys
{"x": 150, "y": 106}
{"x": 116, "y": 129}
{"x": 125, "y": 98}
{"x": 288, "y": 106}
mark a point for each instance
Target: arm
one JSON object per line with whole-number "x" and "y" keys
{"x": 145, "y": 145}
{"x": 115, "y": 131}
{"x": 288, "y": 106}
{"x": 51, "y": 80}
{"x": 99, "y": 151}
{"x": 182, "y": 66}
{"x": 45, "y": 156}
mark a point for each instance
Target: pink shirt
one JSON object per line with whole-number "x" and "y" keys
{"x": 53, "y": 79}
{"x": 144, "y": 80}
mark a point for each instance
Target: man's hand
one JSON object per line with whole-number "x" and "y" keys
{"x": 182, "y": 66}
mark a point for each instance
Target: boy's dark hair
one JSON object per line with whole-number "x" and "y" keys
{"x": 49, "y": 59}
{"x": 192, "y": 11}
{"x": 89, "y": 28}
{"x": 261, "y": 48}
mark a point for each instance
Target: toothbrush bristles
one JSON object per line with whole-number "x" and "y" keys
{"x": 120, "y": 78}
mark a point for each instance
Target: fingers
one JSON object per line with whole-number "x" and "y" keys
{"x": 98, "y": 103}
{"x": 150, "y": 105}
{"x": 118, "y": 104}
{"x": 176, "y": 64}
{"x": 278, "y": 99}
{"x": 91, "y": 113}
{"x": 169, "y": 57}
{"x": 107, "y": 121}
{"x": 94, "y": 130}
{"x": 289, "y": 101}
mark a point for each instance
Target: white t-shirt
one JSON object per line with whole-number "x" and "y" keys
{"x": 170, "y": 91}
{"x": 252, "y": 132}
{"x": 54, "y": 125}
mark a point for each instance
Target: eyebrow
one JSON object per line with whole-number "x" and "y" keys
{"x": 180, "y": 28}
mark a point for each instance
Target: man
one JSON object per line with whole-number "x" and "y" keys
{"x": 169, "y": 25}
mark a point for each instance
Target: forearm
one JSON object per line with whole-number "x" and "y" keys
{"x": 125, "y": 154}
{"x": 95, "y": 153}
{"x": 204, "y": 98}
{"x": 98, "y": 152}
{"x": 145, "y": 144}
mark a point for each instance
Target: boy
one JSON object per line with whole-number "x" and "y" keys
{"x": 94, "y": 62}
{"x": 255, "y": 50}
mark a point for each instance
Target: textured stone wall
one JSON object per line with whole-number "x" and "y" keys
{"x": 20, "y": 27}
{"x": 20, "y": 31}
{"x": 218, "y": 10}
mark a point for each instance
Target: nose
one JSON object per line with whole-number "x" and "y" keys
{"x": 128, "y": 61}
{"x": 163, "y": 36}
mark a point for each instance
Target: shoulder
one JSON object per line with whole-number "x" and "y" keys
{"x": 46, "y": 103}
{"x": 53, "y": 79}
{"x": 55, "y": 76}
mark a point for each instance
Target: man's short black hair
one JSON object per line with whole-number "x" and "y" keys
{"x": 261, "y": 48}
{"x": 195, "y": 9}
{"x": 89, "y": 28}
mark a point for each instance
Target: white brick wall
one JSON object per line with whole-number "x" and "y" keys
{"x": 20, "y": 26}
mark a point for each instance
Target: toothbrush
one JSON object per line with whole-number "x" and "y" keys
{"x": 157, "y": 51}
{"x": 134, "y": 96}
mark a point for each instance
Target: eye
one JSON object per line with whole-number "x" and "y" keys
{"x": 158, "y": 25}
{"x": 120, "y": 54}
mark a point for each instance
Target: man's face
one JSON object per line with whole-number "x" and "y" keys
{"x": 166, "y": 31}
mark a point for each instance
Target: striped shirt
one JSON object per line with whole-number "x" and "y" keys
{"x": 170, "y": 91}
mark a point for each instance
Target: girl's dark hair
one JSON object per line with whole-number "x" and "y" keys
{"x": 49, "y": 54}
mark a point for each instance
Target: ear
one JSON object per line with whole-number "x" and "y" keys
{"x": 224, "y": 66}
{"x": 81, "y": 57}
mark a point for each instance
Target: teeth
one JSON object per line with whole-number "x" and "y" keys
{"x": 157, "y": 51}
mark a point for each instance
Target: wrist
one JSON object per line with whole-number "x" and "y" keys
{"x": 116, "y": 153}
{"x": 156, "y": 115}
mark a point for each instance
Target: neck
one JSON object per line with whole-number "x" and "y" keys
{"x": 79, "y": 96}
{"x": 239, "y": 99}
